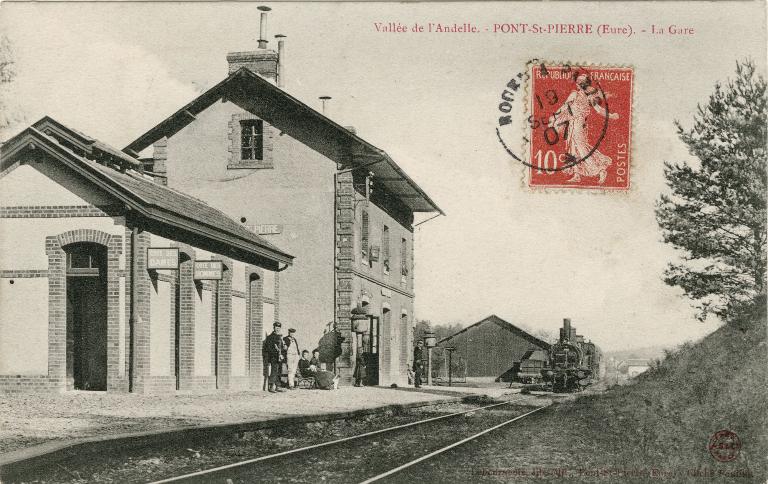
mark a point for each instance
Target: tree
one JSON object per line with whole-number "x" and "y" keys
{"x": 9, "y": 115}
{"x": 545, "y": 335}
{"x": 716, "y": 212}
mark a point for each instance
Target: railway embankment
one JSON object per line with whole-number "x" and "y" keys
{"x": 657, "y": 428}
{"x": 666, "y": 418}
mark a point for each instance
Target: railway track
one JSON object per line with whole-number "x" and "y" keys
{"x": 267, "y": 467}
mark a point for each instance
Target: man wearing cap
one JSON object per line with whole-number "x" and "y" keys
{"x": 274, "y": 347}
{"x": 293, "y": 355}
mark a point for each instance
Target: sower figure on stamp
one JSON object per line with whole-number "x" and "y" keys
{"x": 274, "y": 347}
{"x": 293, "y": 355}
{"x": 418, "y": 363}
{"x": 573, "y": 115}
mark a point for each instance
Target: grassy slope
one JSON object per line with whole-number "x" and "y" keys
{"x": 666, "y": 418}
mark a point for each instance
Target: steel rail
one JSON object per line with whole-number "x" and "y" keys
{"x": 447, "y": 447}
{"x": 322, "y": 444}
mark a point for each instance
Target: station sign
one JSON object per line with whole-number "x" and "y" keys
{"x": 208, "y": 270}
{"x": 268, "y": 229}
{"x": 163, "y": 258}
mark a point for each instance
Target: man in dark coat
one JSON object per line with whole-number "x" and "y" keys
{"x": 418, "y": 363}
{"x": 274, "y": 348}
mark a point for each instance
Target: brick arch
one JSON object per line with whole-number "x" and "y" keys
{"x": 85, "y": 235}
{"x": 57, "y": 303}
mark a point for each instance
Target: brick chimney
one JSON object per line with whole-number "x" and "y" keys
{"x": 261, "y": 61}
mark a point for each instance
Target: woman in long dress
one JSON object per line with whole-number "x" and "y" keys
{"x": 575, "y": 111}
{"x": 324, "y": 380}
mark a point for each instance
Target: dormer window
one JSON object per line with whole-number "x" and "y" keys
{"x": 252, "y": 139}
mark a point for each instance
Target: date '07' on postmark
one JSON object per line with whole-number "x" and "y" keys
{"x": 579, "y": 126}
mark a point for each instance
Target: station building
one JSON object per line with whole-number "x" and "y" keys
{"x": 111, "y": 281}
{"x": 342, "y": 206}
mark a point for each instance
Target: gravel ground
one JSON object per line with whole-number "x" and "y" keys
{"x": 174, "y": 458}
{"x": 27, "y": 420}
{"x": 352, "y": 462}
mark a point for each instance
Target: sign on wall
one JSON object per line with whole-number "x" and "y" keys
{"x": 163, "y": 258}
{"x": 208, "y": 269}
{"x": 266, "y": 229}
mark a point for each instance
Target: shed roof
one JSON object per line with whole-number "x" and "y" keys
{"x": 262, "y": 98}
{"x": 186, "y": 215}
{"x": 504, "y": 325}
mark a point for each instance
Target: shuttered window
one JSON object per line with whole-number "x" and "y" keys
{"x": 364, "y": 235}
{"x": 385, "y": 248}
{"x": 403, "y": 256}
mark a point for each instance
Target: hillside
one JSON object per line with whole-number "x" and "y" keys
{"x": 666, "y": 418}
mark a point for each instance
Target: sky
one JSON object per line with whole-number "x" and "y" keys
{"x": 113, "y": 70}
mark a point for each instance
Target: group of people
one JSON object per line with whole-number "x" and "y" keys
{"x": 280, "y": 349}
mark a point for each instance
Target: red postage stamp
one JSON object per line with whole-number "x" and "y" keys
{"x": 580, "y": 126}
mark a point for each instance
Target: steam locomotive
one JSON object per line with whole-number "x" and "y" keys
{"x": 571, "y": 364}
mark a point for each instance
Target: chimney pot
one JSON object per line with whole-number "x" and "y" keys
{"x": 325, "y": 100}
{"x": 263, "y": 27}
{"x": 280, "y": 60}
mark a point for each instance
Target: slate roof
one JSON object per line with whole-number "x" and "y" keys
{"x": 504, "y": 325}
{"x": 181, "y": 212}
{"x": 290, "y": 115}
{"x": 91, "y": 146}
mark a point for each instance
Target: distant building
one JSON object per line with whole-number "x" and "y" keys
{"x": 634, "y": 367}
{"x": 490, "y": 348}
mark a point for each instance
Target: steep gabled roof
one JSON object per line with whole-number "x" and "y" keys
{"x": 504, "y": 325}
{"x": 185, "y": 216}
{"x": 289, "y": 115}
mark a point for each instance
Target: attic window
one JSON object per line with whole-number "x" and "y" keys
{"x": 251, "y": 139}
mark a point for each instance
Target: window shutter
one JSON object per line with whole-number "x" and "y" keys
{"x": 404, "y": 256}
{"x": 385, "y": 247}
{"x": 364, "y": 235}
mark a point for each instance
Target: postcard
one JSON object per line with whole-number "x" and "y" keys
{"x": 376, "y": 241}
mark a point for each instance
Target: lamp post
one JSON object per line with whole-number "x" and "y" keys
{"x": 450, "y": 350}
{"x": 429, "y": 341}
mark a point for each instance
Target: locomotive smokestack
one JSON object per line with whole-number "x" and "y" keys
{"x": 263, "y": 27}
{"x": 566, "y": 331}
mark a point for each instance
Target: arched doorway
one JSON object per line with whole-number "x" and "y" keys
{"x": 255, "y": 312}
{"x": 86, "y": 270}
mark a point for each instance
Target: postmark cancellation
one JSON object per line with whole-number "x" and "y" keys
{"x": 577, "y": 126}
